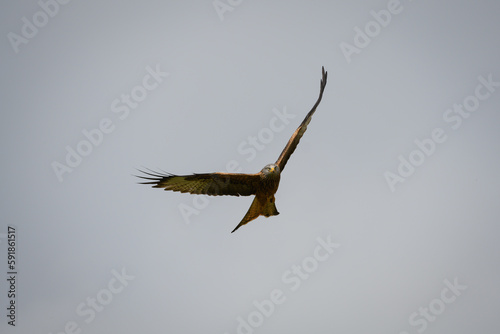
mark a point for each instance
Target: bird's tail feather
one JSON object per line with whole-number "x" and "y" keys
{"x": 268, "y": 208}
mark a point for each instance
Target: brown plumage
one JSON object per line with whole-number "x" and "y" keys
{"x": 263, "y": 184}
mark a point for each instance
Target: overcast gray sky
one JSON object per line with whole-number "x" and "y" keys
{"x": 389, "y": 207}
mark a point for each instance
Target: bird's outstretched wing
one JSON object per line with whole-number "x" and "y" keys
{"x": 294, "y": 140}
{"x": 215, "y": 184}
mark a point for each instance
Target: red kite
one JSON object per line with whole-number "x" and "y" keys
{"x": 263, "y": 184}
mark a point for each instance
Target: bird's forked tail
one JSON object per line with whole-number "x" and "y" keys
{"x": 265, "y": 207}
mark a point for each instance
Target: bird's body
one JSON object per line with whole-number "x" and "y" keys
{"x": 263, "y": 184}
{"x": 264, "y": 201}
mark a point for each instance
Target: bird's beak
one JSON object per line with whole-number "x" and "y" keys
{"x": 272, "y": 169}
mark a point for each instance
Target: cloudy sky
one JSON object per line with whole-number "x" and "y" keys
{"x": 389, "y": 207}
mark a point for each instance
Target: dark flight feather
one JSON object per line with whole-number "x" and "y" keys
{"x": 294, "y": 140}
{"x": 215, "y": 184}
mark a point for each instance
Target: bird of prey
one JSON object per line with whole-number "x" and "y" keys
{"x": 263, "y": 184}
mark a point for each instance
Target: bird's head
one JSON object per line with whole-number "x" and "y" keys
{"x": 271, "y": 169}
